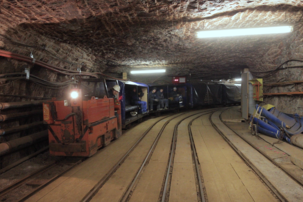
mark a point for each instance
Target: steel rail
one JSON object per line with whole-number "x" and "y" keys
{"x": 49, "y": 181}
{"x": 172, "y": 154}
{"x": 195, "y": 158}
{"x": 98, "y": 186}
{"x": 23, "y": 181}
{"x": 146, "y": 159}
{"x": 261, "y": 176}
{"x": 18, "y": 183}
{"x": 23, "y": 159}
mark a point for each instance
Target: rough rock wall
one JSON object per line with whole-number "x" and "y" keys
{"x": 27, "y": 42}
{"x": 144, "y": 34}
{"x": 289, "y": 104}
{"x": 288, "y": 49}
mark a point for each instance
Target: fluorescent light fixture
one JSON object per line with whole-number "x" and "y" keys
{"x": 244, "y": 32}
{"x": 148, "y": 71}
{"x": 238, "y": 80}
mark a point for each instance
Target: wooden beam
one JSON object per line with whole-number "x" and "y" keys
{"x": 283, "y": 83}
{"x": 284, "y": 93}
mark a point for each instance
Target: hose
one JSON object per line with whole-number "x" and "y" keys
{"x": 45, "y": 65}
{"x": 67, "y": 116}
{"x": 8, "y": 54}
{"x": 43, "y": 47}
{"x": 277, "y": 68}
{"x": 38, "y": 80}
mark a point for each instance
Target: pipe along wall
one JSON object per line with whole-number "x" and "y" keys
{"x": 20, "y": 143}
{"x": 28, "y": 115}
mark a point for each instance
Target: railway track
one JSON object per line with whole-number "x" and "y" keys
{"x": 176, "y": 159}
{"x": 271, "y": 173}
{"x": 130, "y": 188}
{"x": 100, "y": 184}
{"x": 168, "y": 176}
{"x": 165, "y": 191}
{"x": 96, "y": 188}
{"x": 202, "y": 194}
{"x": 30, "y": 184}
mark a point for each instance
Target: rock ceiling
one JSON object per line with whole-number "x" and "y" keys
{"x": 127, "y": 34}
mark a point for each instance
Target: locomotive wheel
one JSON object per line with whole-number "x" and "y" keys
{"x": 106, "y": 139}
{"x": 117, "y": 134}
{"x": 128, "y": 126}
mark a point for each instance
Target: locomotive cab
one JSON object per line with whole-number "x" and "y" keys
{"x": 82, "y": 123}
{"x": 130, "y": 111}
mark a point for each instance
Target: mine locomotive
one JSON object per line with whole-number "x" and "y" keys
{"x": 79, "y": 126}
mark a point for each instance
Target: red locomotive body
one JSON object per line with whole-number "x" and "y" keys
{"x": 80, "y": 128}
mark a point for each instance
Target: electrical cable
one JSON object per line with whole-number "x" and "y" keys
{"x": 53, "y": 68}
{"x": 37, "y": 80}
{"x": 256, "y": 73}
{"x": 43, "y": 48}
{"x": 5, "y": 84}
{"x": 37, "y": 47}
{"x": 11, "y": 74}
{"x": 45, "y": 65}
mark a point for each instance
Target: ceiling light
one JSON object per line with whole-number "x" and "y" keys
{"x": 148, "y": 71}
{"x": 244, "y": 32}
{"x": 238, "y": 80}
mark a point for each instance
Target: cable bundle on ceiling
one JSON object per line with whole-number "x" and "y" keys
{"x": 22, "y": 76}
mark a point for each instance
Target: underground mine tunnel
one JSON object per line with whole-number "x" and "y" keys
{"x": 142, "y": 100}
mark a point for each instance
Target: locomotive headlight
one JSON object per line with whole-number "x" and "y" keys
{"x": 74, "y": 94}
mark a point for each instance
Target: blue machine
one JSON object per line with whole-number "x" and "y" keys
{"x": 291, "y": 124}
{"x": 277, "y": 124}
